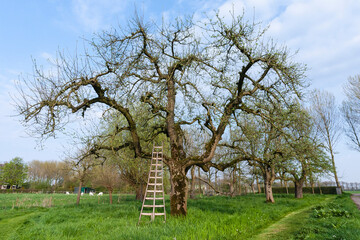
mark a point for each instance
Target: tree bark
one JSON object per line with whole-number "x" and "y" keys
{"x": 268, "y": 181}
{"x": 299, "y": 188}
{"x": 178, "y": 195}
{"x": 192, "y": 186}
{"x": 258, "y": 184}
{"x": 110, "y": 196}
{"x": 312, "y": 187}
{"x": 253, "y": 188}
{"x": 79, "y": 193}
{"x": 239, "y": 187}
{"x": 199, "y": 182}
{"x": 140, "y": 189}
{"x": 334, "y": 168}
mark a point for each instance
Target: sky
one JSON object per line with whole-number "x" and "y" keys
{"x": 325, "y": 33}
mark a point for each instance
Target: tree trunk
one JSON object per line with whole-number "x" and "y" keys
{"x": 178, "y": 196}
{"x": 199, "y": 175}
{"x": 232, "y": 183}
{"x": 216, "y": 181}
{"x": 79, "y": 193}
{"x": 286, "y": 187}
{"x": 313, "y": 187}
{"x": 239, "y": 181}
{"x": 299, "y": 188}
{"x": 268, "y": 181}
{"x": 110, "y": 195}
{"x": 258, "y": 184}
{"x": 140, "y": 191}
{"x": 192, "y": 186}
{"x": 253, "y": 188}
{"x": 334, "y": 170}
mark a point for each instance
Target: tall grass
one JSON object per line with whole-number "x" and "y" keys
{"x": 215, "y": 217}
{"x": 338, "y": 219}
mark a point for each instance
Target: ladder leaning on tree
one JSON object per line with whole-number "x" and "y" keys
{"x": 154, "y": 201}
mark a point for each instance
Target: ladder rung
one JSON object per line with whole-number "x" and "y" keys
{"x": 150, "y": 214}
{"x": 151, "y": 191}
{"x": 151, "y": 198}
{"x": 155, "y": 177}
{"x": 153, "y": 205}
{"x": 154, "y": 184}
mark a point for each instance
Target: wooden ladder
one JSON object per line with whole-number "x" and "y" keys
{"x": 154, "y": 201}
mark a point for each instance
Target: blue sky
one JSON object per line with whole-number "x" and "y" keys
{"x": 325, "y": 32}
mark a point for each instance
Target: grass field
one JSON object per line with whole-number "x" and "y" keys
{"x": 54, "y": 216}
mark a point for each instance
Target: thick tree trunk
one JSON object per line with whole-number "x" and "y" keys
{"x": 79, "y": 193}
{"x": 299, "y": 188}
{"x": 268, "y": 181}
{"x": 178, "y": 196}
{"x": 192, "y": 186}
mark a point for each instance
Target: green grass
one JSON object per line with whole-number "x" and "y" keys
{"x": 29, "y": 216}
{"x": 337, "y": 219}
{"x": 352, "y": 192}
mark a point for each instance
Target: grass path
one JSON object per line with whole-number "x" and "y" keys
{"x": 10, "y": 225}
{"x": 285, "y": 227}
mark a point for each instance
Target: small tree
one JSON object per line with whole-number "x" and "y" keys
{"x": 14, "y": 172}
{"x": 108, "y": 176}
{"x": 82, "y": 166}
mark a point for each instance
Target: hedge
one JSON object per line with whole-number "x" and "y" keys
{"x": 324, "y": 190}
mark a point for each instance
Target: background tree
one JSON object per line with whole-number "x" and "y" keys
{"x": 106, "y": 175}
{"x": 14, "y": 172}
{"x": 182, "y": 78}
{"x": 47, "y": 174}
{"x": 81, "y": 166}
{"x": 326, "y": 119}
{"x": 306, "y": 155}
{"x": 351, "y": 111}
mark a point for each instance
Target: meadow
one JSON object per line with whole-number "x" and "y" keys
{"x": 55, "y": 216}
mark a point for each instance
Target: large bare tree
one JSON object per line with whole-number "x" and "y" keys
{"x": 184, "y": 72}
{"x": 326, "y": 118}
{"x": 351, "y": 111}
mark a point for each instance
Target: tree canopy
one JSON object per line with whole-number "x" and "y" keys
{"x": 14, "y": 172}
{"x": 181, "y": 74}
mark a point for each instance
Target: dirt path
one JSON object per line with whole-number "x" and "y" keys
{"x": 356, "y": 199}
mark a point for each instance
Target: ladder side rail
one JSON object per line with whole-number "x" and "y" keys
{"x": 162, "y": 181}
{"x": 146, "y": 192}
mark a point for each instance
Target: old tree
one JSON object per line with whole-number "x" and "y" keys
{"x": 185, "y": 74}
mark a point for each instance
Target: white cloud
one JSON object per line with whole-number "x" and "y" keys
{"x": 94, "y": 15}
{"x": 47, "y": 56}
{"x": 327, "y": 36}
